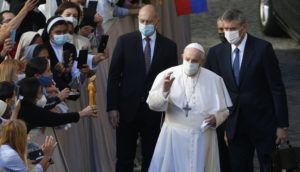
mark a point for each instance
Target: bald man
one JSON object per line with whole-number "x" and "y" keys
{"x": 195, "y": 101}
{"x": 137, "y": 59}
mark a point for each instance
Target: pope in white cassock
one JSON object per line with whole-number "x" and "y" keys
{"x": 195, "y": 101}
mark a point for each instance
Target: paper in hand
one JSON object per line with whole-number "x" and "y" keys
{"x": 204, "y": 126}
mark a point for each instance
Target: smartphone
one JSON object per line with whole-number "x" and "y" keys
{"x": 88, "y": 17}
{"x": 36, "y": 156}
{"x": 67, "y": 56}
{"x": 92, "y": 6}
{"x": 13, "y": 36}
{"x": 82, "y": 58}
{"x": 103, "y": 43}
{"x": 41, "y": 2}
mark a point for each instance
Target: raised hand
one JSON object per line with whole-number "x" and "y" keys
{"x": 168, "y": 81}
{"x": 30, "y": 5}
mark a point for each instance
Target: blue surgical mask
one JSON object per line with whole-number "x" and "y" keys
{"x": 60, "y": 39}
{"x": 146, "y": 30}
{"x": 46, "y": 80}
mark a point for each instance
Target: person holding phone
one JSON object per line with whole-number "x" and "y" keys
{"x": 33, "y": 21}
{"x": 5, "y": 28}
{"x": 72, "y": 14}
{"x": 13, "y": 146}
{"x": 9, "y": 47}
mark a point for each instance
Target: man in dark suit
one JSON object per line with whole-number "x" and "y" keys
{"x": 259, "y": 116}
{"x": 137, "y": 59}
{"x": 223, "y": 148}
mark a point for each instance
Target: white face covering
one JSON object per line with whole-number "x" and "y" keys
{"x": 70, "y": 38}
{"x": 42, "y": 102}
{"x": 233, "y": 37}
{"x": 113, "y": 1}
{"x": 190, "y": 69}
{"x": 73, "y": 20}
{"x": 21, "y": 76}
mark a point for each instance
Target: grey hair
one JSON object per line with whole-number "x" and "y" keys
{"x": 234, "y": 15}
{"x": 219, "y": 18}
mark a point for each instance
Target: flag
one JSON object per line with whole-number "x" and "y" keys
{"x": 184, "y": 7}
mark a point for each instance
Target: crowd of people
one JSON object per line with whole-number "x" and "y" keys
{"x": 208, "y": 114}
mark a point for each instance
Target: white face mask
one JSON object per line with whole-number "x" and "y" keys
{"x": 70, "y": 38}
{"x": 42, "y": 102}
{"x": 73, "y": 20}
{"x": 233, "y": 37}
{"x": 21, "y": 76}
{"x": 113, "y": 1}
{"x": 190, "y": 69}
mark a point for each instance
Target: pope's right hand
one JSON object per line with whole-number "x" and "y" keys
{"x": 114, "y": 118}
{"x": 168, "y": 81}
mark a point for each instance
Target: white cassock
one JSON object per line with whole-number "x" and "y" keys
{"x": 183, "y": 146}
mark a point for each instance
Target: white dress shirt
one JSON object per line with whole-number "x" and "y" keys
{"x": 241, "y": 47}
{"x": 152, "y": 43}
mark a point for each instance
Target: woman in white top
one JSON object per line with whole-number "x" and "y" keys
{"x": 13, "y": 153}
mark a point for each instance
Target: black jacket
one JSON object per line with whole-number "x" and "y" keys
{"x": 128, "y": 83}
{"x": 259, "y": 102}
{"x": 35, "y": 116}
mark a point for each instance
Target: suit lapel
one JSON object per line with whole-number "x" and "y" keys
{"x": 157, "y": 51}
{"x": 227, "y": 65}
{"x": 140, "y": 52}
{"x": 246, "y": 58}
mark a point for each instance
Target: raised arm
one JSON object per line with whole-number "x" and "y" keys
{"x": 16, "y": 21}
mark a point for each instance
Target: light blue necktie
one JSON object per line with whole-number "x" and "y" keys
{"x": 236, "y": 66}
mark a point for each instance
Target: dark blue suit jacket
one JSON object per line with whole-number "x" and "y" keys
{"x": 128, "y": 83}
{"x": 259, "y": 102}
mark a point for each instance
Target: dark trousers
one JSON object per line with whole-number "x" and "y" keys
{"x": 147, "y": 125}
{"x": 223, "y": 150}
{"x": 242, "y": 147}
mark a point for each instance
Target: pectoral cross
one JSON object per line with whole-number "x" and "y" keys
{"x": 187, "y": 108}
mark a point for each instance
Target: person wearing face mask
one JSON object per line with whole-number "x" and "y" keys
{"x": 32, "y": 108}
{"x": 138, "y": 57}
{"x": 72, "y": 14}
{"x": 3, "y": 112}
{"x": 259, "y": 116}
{"x": 65, "y": 68}
{"x": 220, "y": 30}
{"x": 7, "y": 96}
{"x": 196, "y": 102}
{"x": 223, "y": 148}
{"x": 40, "y": 68}
{"x": 55, "y": 38}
